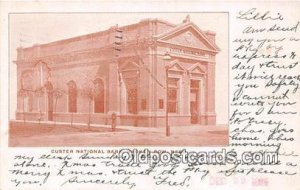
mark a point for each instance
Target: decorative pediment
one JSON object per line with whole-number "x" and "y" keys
{"x": 175, "y": 66}
{"x": 188, "y": 35}
{"x": 196, "y": 69}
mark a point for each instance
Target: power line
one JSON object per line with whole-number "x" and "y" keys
{"x": 148, "y": 70}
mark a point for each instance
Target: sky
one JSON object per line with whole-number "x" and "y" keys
{"x": 29, "y": 29}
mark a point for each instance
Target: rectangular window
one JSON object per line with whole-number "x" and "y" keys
{"x": 132, "y": 100}
{"x": 30, "y": 102}
{"x": 161, "y": 104}
{"x": 144, "y": 104}
{"x": 173, "y": 93}
{"x": 194, "y": 100}
{"x": 194, "y": 84}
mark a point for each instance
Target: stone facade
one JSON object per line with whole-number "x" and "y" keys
{"x": 122, "y": 70}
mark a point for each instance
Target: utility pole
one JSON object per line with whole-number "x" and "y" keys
{"x": 118, "y": 41}
{"x": 167, "y": 103}
{"x": 168, "y": 130}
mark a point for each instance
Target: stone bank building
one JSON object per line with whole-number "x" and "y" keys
{"x": 139, "y": 72}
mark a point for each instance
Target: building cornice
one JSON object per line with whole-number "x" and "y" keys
{"x": 98, "y": 34}
{"x": 86, "y": 54}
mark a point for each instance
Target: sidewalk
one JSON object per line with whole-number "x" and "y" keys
{"x": 46, "y": 134}
{"x": 133, "y": 128}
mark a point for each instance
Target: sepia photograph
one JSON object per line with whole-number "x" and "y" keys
{"x": 118, "y": 79}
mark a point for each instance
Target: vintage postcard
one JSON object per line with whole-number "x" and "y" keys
{"x": 150, "y": 95}
{"x": 137, "y": 79}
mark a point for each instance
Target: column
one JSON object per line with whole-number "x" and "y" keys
{"x": 210, "y": 94}
{"x": 113, "y": 89}
{"x": 186, "y": 94}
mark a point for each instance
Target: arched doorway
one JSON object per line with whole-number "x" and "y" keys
{"x": 99, "y": 96}
{"x": 130, "y": 77}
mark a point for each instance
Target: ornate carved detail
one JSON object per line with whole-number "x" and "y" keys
{"x": 188, "y": 37}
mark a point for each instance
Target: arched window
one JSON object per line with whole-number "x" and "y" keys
{"x": 99, "y": 96}
{"x": 72, "y": 94}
